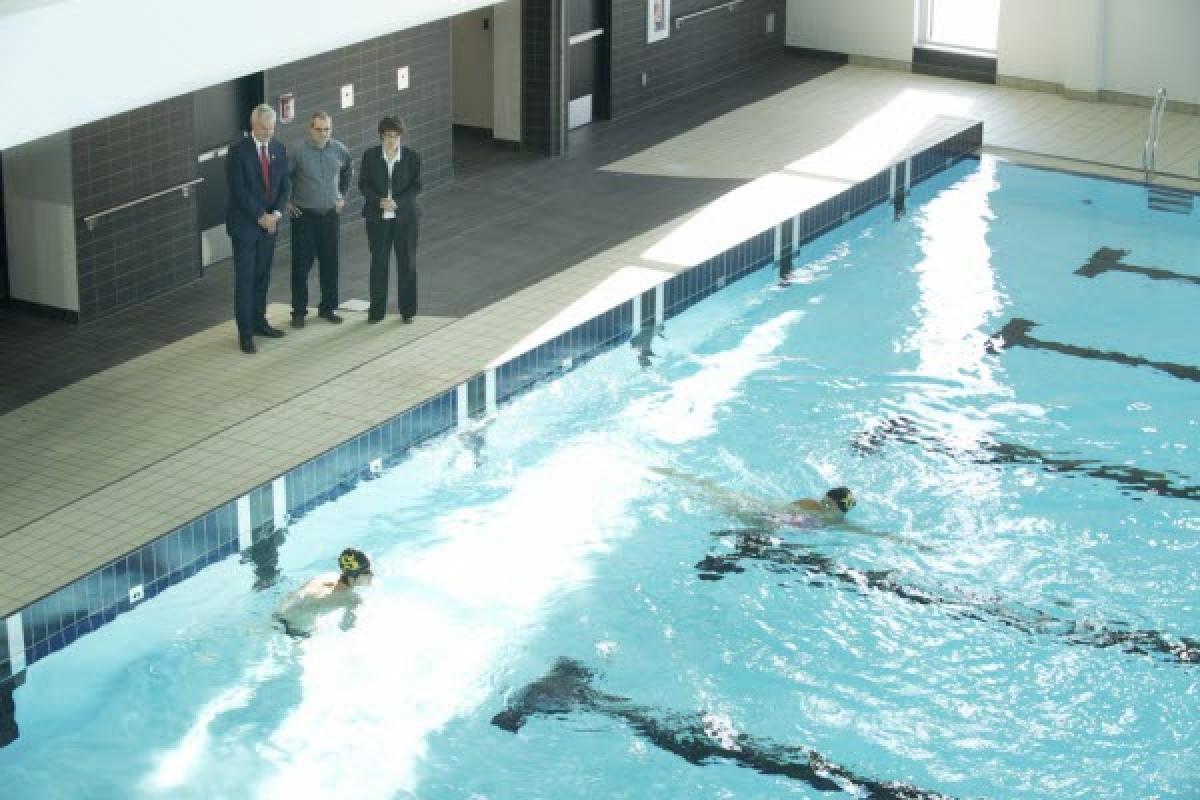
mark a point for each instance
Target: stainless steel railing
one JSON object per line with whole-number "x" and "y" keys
{"x": 1150, "y": 148}
{"x": 731, "y": 5}
{"x": 185, "y": 188}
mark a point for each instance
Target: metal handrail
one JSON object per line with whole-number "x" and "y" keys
{"x": 92, "y": 219}
{"x": 1150, "y": 148}
{"x": 731, "y": 5}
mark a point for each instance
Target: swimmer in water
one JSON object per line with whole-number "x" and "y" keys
{"x": 829, "y": 511}
{"x": 327, "y": 592}
{"x": 804, "y": 514}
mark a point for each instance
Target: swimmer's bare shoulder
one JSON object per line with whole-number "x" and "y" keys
{"x": 317, "y": 588}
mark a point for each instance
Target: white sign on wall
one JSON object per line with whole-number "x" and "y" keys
{"x": 658, "y": 20}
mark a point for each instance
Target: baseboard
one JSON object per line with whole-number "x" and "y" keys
{"x": 1100, "y": 96}
{"x": 832, "y": 56}
{"x": 881, "y": 63}
{"x": 1029, "y": 84}
{"x": 41, "y": 310}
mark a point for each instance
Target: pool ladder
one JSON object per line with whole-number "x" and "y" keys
{"x": 1150, "y": 148}
{"x": 1160, "y": 198}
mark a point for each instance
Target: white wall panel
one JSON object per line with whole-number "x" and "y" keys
{"x": 1120, "y": 45}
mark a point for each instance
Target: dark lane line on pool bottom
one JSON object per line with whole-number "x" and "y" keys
{"x": 568, "y": 687}
{"x": 1015, "y": 333}
{"x": 781, "y": 556}
{"x": 1130, "y": 479}
{"x": 1108, "y": 259}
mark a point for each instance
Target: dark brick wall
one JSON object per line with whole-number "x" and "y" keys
{"x": 705, "y": 50}
{"x": 371, "y": 67}
{"x": 141, "y": 252}
{"x": 541, "y": 84}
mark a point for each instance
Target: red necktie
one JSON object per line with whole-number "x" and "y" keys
{"x": 266, "y": 170}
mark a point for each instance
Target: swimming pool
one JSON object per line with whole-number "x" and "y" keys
{"x": 1024, "y": 627}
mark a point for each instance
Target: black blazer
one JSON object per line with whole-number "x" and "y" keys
{"x": 248, "y": 199}
{"x": 373, "y": 182}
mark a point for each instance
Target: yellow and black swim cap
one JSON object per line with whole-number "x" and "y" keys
{"x": 353, "y": 562}
{"x": 842, "y": 497}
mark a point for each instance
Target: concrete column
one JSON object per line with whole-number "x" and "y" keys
{"x": 1081, "y": 23}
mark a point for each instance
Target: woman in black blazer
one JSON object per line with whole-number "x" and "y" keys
{"x": 389, "y": 179}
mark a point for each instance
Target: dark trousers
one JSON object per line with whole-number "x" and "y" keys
{"x": 315, "y": 234}
{"x": 251, "y": 279}
{"x": 385, "y": 237}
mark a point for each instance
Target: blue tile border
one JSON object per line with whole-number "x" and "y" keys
{"x": 55, "y": 621}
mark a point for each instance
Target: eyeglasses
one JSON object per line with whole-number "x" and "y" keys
{"x": 322, "y": 130}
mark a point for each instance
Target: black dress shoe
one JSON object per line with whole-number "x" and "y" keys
{"x": 297, "y": 322}
{"x": 269, "y": 332}
{"x": 373, "y": 320}
{"x": 246, "y": 343}
{"x": 406, "y": 320}
{"x": 329, "y": 316}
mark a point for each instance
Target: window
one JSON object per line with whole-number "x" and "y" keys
{"x": 958, "y": 24}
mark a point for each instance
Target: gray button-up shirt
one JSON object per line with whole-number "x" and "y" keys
{"x": 320, "y": 175}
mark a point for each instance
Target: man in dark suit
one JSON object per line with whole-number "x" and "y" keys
{"x": 389, "y": 179}
{"x": 257, "y": 172}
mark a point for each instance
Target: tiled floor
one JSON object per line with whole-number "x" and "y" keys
{"x": 516, "y": 250}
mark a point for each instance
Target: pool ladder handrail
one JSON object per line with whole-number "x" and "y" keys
{"x": 1150, "y": 148}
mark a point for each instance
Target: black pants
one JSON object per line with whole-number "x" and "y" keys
{"x": 315, "y": 234}
{"x": 385, "y": 237}
{"x": 251, "y": 279}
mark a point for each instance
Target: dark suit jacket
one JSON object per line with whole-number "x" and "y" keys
{"x": 247, "y": 197}
{"x": 373, "y": 182}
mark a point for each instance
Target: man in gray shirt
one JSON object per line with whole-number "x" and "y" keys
{"x": 321, "y": 171}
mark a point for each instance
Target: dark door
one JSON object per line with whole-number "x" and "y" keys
{"x": 222, "y": 115}
{"x": 3, "y": 240}
{"x": 588, "y": 26}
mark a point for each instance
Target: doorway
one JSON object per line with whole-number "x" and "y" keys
{"x": 473, "y": 70}
{"x": 3, "y": 240}
{"x": 589, "y": 26}
{"x": 221, "y": 116}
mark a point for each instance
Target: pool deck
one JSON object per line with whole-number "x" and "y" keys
{"x": 127, "y": 454}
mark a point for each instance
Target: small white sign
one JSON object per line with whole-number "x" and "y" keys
{"x": 401, "y": 79}
{"x": 136, "y": 594}
{"x": 348, "y": 95}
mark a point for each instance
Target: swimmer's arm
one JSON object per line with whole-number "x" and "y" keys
{"x": 729, "y": 501}
{"x": 851, "y": 527}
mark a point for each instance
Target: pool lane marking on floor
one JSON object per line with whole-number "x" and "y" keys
{"x": 696, "y": 737}
{"x": 780, "y": 555}
{"x": 1108, "y": 259}
{"x": 905, "y": 429}
{"x": 1015, "y": 333}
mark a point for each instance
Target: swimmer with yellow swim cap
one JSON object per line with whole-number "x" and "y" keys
{"x": 355, "y": 567}
{"x": 327, "y": 592}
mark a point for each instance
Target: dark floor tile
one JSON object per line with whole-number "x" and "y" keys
{"x": 507, "y": 220}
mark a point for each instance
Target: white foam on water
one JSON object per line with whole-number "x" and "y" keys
{"x": 444, "y": 616}
{"x": 688, "y": 410}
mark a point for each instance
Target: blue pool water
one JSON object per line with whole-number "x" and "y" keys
{"x": 1017, "y": 627}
